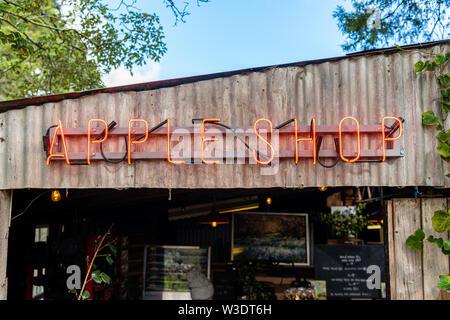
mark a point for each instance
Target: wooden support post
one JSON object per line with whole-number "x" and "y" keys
{"x": 5, "y": 219}
{"x": 405, "y": 264}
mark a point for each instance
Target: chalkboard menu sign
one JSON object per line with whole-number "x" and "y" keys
{"x": 166, "y": 267}
{"x": 347, "y": 269}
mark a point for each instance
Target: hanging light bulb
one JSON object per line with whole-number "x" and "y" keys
{"x": 214, "y": 224}
{"x": 56, "y": 196}
{"x": 269, "y": 201}
{"x": 323, "y": 188}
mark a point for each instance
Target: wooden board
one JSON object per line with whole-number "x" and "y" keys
{"x": 408, "y": 263}
{"x": 5, "y": 219}
{"x": 415, "y": 275}
{"x": 434, "y": 263}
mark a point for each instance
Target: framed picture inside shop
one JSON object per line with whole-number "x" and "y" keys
{"x": 276, "y": 237}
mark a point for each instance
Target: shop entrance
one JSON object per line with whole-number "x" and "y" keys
{"x": 257, "y": 243}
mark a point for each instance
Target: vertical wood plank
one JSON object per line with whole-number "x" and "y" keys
{"x": 408, "y": 263}
{"x": 434, "y": 262}
{"x": 392, "y": 265}
{"x": 5, "y": 219}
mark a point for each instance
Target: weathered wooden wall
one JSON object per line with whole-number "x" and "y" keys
{"x": 414, "y": 275}
{"x": 366, "y": 86}
{"x": 5, "y": 218}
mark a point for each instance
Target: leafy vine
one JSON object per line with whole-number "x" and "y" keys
{"x": 441, "y": 218}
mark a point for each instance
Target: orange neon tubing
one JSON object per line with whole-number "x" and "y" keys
{"x": 168, "y": 146}
{"x": 313, "y": 139}
{"x": 129, "y": 136}
{"x": 88, "y": 153}
{"x": 383, "y": 137}
{"x": 209, "y": 139}
{"x": 58, "y": 155}
{"x": 272, "y": 153}
{"x": 340, "y": 140}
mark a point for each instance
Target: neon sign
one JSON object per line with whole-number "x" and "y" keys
{"x": 297, "y": 141}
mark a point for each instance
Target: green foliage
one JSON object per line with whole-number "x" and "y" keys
{"x": 444, "y": 282}
{"x": 50, "y": 46}
{"x": 375, "y": 23}
{"x": 85, "y": 295}
{"x": 442, "y": 244}
{"x": 415, "y": 241}
{"x": 346, "y": 223}
{"x": 429, "y": 118}
{"x": 441, "y": 221}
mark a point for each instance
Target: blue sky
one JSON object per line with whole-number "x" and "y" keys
{"x": 225, "y": 35}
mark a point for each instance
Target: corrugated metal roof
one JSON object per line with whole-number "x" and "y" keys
{"x": 366, "y": 86}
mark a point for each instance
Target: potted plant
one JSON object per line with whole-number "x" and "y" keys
{"x": 347, "y": 222}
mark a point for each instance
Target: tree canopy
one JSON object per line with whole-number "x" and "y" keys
{"x": 51, "y": 46}
{"x": 377, "y": 23}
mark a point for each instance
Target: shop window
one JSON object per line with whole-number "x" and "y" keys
{"x": 38, "y": 290}
{"x": 41, "y": 233}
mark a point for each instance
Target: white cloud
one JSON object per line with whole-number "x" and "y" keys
{"x": 121, "y": 76}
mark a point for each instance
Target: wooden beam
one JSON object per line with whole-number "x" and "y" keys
{"x": 5, "y": 219}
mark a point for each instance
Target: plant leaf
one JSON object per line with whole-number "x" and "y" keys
{"x": 415, "y": 241}
{"x": 429, "y": 119}
{"x": 106, "y": 279}
{"x": 109, "y": 260}
{"x": 444, "y": 149}
{"x": 85, "y": 295}
{"x": 113, "y": 249}
{"x": 96, "y": 276}
{"x": 443, "y": 136}
{"x": 439, "y": 242}
{"x": 441, "y": 221}
{"x": 444, "y": 282}
{"x": 419, "y": 66}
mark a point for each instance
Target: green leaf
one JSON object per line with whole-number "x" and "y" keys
{"x": 439, "y": 242}
{"x": 419, "y": 66}
{"x": 443, "y": 136}
{"x": 445, "y": 107}
{"x": 448, "y": 175}
{"x": 445, "y": 94}
{"x": 85, "y": 295}
{"x": 96, "y": 276}
{"x": 113, "y": 249}
{"x": 415, "y": 241}
{"x": 441, "y": 221}
{"x": 444, "y": 80}
{"x": 439, "y": 127}
{"x": 429, "y": 119}
{"x": 443, "y": 149}
{"x": 439, "y": 59}
{"x": 109, "y": 260}
{"x": 106, "y": 279}
{"x": 444, "y": 282}
{"x": 446, "y": 246}
{"x": 430, "y": 66}
{"x": 73, "y": 291}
